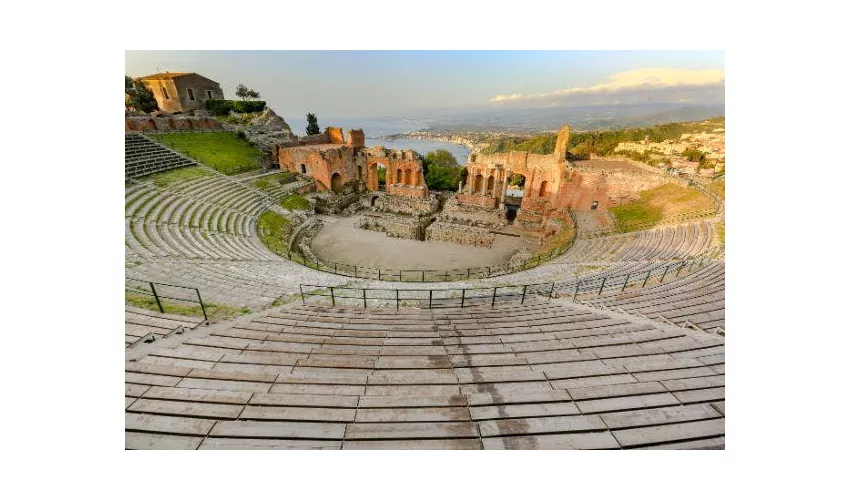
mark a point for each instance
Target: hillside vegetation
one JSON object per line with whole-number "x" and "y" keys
{"x": 669, "y": 200}
{"x": 583, "y": 144}
{"x": 223, "y": 151}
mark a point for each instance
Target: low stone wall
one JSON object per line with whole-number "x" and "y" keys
{"x": 170, "y": 123}
{"x": 329, "y": 203}
{"x": 401, "y": 205}
{"x": 395, "y": 227}
{"x": 490, "y": 202}
{"x": 459, "y": 233}
{"x": 455, "y": 213}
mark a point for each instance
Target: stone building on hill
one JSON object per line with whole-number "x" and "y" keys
{"x": 182, "y": 92}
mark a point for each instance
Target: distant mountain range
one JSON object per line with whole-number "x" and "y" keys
{"x": 579, "y": 118}
{"x": 529, "y": 120}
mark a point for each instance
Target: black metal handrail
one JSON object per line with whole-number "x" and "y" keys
{"x": 463, "y": 297}
{"x": 158, "y": 296}
{"x": 426, "y": 297}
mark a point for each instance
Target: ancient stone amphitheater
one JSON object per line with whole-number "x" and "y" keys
{"x": 618, "y": 344}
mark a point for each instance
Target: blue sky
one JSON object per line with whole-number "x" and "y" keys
{"x": 353, "y": 84}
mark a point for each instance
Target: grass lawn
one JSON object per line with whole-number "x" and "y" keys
{"x": 720, "y": 232}
{"x": 274, "y": 231}
{"x": 215, "y": 312}
{"x": 223, "y": 151}
{"x": 718, "y": 187}
{"x": 269, "y": 182}
{"x": 657, "y": 203}
{"x": 164, "y": 179}
{"x": 295, "y": 202}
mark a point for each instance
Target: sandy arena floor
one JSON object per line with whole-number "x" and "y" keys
{"x": 341, "y": 242}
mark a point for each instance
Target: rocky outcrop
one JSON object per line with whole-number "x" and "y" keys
{"x": 268, "y": 129}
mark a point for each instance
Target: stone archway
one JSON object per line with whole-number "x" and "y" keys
{"x": 398, "y": 178}
{"x": 336, "y": 183}
{"x": 476, "y": 185}
{"x": 543, "y": 187}
{"x": 490, "y": 183}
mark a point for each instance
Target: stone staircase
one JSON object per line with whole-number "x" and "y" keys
{"x": 144, "y": 156}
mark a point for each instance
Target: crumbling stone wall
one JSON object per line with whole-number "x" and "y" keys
{"x": 382, "y": 202}
{"x": 395, "y": 227}
{"x": 470, "y": 215}
{"x": 459, "y": 233}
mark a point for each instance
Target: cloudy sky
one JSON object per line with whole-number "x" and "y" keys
{"x": 352, "y": 84}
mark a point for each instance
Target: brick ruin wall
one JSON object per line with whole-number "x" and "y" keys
{"x": 459, "y": 233}
{"x": 165, "y": 124}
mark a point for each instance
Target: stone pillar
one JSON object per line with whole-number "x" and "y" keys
{"x": 507, "y": 173}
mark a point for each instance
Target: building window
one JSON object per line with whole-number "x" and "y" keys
{"x": 209, "y": 94}
{"x": 191, "y": 95}
{"x": 165, "y": 93}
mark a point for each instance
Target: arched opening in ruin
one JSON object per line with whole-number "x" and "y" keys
{"x": 513, "y": 195}
{"x": 491, "y": 181}
{"x": 476, "y": 184}
{"x": 359, "y": 173}
{"x": 336, "y": 183}
{"x": 398, "y": 179}
{"x": 382, "y": 176}
{"x": 407, "y": 178}
{"x": 543, "y": 188}
{"x": 373, "y": 200}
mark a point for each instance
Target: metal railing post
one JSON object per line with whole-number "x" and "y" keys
{"x": 355, "y": 271}
{"x": 604, "y": 278}
{"x": 423, "y": 276}
{"x": 379, "y": 273}
{"x": 625, "y": 282}
{"x": 647, "y": 278}
{"x": 203, "y": 309}
{"x": 524, "y": 287}
{"x": 335, "y": 268}
{"x": 333, "y": 300}
{"x": 301, "y": 287}
{"x": 468, "y": 270}
{"x": 462, "y": 296}
{"x": 680, "y": 268}
{"x": 430, "y": 297}
{"x": 551, "y": 291}
{"x": 664, "y": 273}
{"x": 493, "y": 302}
{"x": 396, "y": 298}
{"x": 158, "y": 303}
{"x": 575, "y": 294}
{"x": 364, "y": 298}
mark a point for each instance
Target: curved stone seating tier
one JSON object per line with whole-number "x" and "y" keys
{"x": 699, "y": 298}
{"x": 668, "y": 243}
{"x": 527, "y": 376}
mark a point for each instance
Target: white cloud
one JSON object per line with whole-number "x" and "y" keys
{"x": 648, "y": 78}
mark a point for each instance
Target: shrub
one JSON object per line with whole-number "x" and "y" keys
{"x": 247, "y": 106}
{"x": 219, "y": 107}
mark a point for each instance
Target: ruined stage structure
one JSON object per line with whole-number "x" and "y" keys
{"x": 344, "y": 165}
{"x": 546, "y": 190}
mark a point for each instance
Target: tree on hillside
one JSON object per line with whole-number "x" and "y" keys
{"x": 442, "y": 172}
{"x": 138, "y": 97}
{"x": 312, "y": 124}
{"x": 245, "y": 93}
